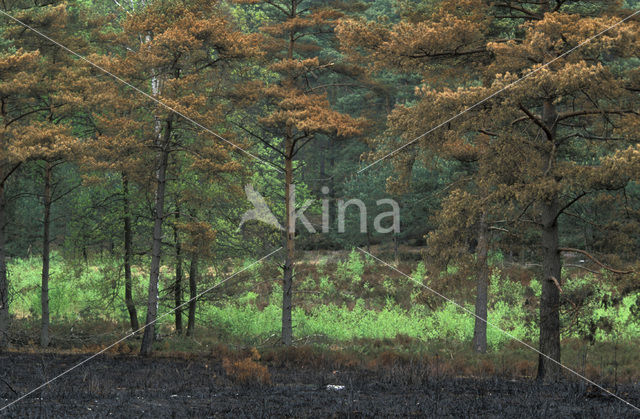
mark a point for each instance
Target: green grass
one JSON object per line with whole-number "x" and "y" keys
{"x": 351, "y": 299}
{"x": 76, "y": 291}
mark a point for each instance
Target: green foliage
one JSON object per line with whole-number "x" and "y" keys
{"x": 597, "y": 312}
{"x": 350, "y": 298}
{"x": 76, "y": 291}
{"x": 82, "y": 292}
{"x": 352, "y": 269}
{"x": 326, "y": 285}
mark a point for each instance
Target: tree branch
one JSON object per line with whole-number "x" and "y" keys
{"x": 261, "y": 139}
{"x": 568, "y": 265}
{"x": 489, "y": 133}
{"x": 573, "y": 201}
{"x": 537, "y": 121}
{"x": 590, "y": 256}
{"x": 556, "y": 283}
{"x": 13, "y": 169}
{"x": 567, "y": 115}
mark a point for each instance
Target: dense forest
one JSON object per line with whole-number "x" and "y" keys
{"x": 374, "y": 181}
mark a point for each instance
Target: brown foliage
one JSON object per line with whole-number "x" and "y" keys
{"x": 248, "y": 370}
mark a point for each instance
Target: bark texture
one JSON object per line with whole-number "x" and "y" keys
{"x": 128, "y": 256}
{"x": 550, "y": 300}
{"x": 193, "y": 293}
{"x": 177, "y": 287}
{"x": 44, "y": 295}
{"x": 287, "y": 280}
{"x": 156, "y": 250}
{"x": 551, "y": 265}
{"x": 482, "y": 294}
{"x": 4, "y": 284}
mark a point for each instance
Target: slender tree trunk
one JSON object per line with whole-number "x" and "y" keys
{"x": 290, "y": 222}
{"x": 482, "y": 268}
{"x": 287, "y": 281}
{"x": 156, "y": 251}
{"x": 395, "y": 247}
{"x": 323, "y": 157}
{"x": 128, "y": 256}
{"x": 44, "y": 296}
{"x": 4, "y": 284}
{"x": 177, "y": 290}
{"x": 551, "y": 266}
{"x": 193, "y": 293}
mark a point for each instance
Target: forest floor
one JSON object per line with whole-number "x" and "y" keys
{"x": 201, "y": 386}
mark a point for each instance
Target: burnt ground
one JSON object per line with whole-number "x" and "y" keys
{"x": 129, "y": 386}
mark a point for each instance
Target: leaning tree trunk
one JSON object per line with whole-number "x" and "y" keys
{"x": 156, "y": 250}
{"x": 287, "y": 280}
{"x": 550, "y": 300}
{"x": 193, "y": 293}
{"x": 44, "y": 296}
{"x": 4, "y": 284}
{"x": 177, "y": 288}
{"x": 128, "y": 256}
{"x": 482, "y": 250}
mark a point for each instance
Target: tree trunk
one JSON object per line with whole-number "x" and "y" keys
{"x": 4, "y": 284}
{"x": 395, "y": 246}
{"x": 44, "y": 296}
{"x": 482, "y": 250}
{"x": 156, "y": 252}
{"x": 289, "y": 203}
{"x": 550, "y": 300}
{"x": 128, "y": 256}
{"x": 287, "y": 281}
{"x": 193, "y": 293}
{"x": 177, "y": 289}
{"x": 551, "y": 265}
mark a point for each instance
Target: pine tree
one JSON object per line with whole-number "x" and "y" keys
{"x": 443, "y": 44}
{"x": 552, "y": 139}
{"x": 116, "y": 146}
{"x": 180, "y": 49}
{"x": 16, "y": 112}
{"x": 297, "y": 109}
{"x": 49, "y": 102}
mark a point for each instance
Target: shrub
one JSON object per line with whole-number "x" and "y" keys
{"x": 351, "y": 269}
{"x": 247, "y": 371}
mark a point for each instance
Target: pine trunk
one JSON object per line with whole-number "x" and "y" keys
{"x": 287, "y": 281}
{"x": 482, "y": 295}
{"x": 550, "y": 300}
{"x": 44, "y": 296}
{"x": 193, "y": 293}
{"x": 551, "y": 265}
{"x": 128, "y": 256}
{"x": 4, "y": 284}
{"x": 156, "y": 251}
{"x": 289, "y": 198}
{"x": 177, "y": 289}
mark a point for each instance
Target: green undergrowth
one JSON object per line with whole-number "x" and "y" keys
{"x": 334, "y": 301}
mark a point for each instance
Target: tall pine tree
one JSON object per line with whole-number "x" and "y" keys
{"x": 292, "y": 107}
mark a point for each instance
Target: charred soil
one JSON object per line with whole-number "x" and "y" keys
{"x": 131, "y": 386}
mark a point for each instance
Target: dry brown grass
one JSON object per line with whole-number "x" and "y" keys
{"x": 247, "y": 371}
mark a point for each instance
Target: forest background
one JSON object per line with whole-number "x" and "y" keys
{"x": 129, "y": 131}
